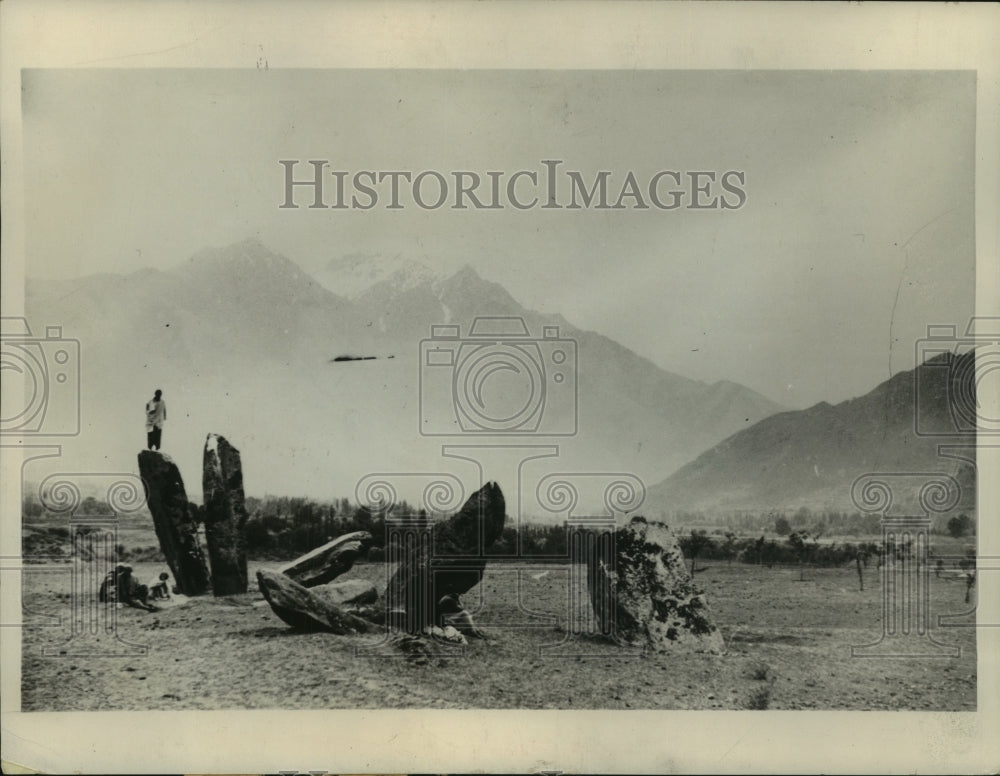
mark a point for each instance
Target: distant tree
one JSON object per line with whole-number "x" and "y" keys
{"x": 505, "y": 544}
{"x": 769, "y": 552}
{"x": 31, "y": 507}
{"x": 695, "y": 544}
{"x": 555, "y": 540}
{"x": 91, "y": 506}
{"x": 802, "y": 517}
{"x": 798, "y": 541}
{"x": 782, "y": 527}
{"x": 363, "y": 518}
{"x": 759, "y": 550}
{"x": 959, "y": 526}
{"x": 729, "y": 546}
{"x": 257, "y": 536}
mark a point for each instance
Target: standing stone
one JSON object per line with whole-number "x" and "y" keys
{"x": 225, "y": 516}
{"x": 176, "y": 526}
{"x": 432, "y": 574}
{"x": 329, "y": 561}
{"x": 647, "y": 596}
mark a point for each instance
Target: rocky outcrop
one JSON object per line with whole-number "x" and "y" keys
{"x": 308, "y": 609}
{"x": 328, "y": 562}
{"x": 432, "y": 574}
{"x": 176, "y": 527}
{"x": 225, "y": 516}
{"x": 644, "y": 596}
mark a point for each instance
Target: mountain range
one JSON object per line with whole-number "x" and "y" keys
{"x": 319, "y": 380}
{"x": 243, "y": 342}
{"x": 810, "y": 458}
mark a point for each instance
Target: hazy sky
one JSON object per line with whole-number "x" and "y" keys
{"x": 857, "y": 230}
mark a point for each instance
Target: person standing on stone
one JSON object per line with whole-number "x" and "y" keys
{"x": 156, "y": 414}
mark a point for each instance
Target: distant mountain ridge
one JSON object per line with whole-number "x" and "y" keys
{"x": 810, "y": 458}
{"x": 354, "y": 274}
{"x": 244, "y": 342}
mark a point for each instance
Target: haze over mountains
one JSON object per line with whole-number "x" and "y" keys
{"x": 242, "y": 343}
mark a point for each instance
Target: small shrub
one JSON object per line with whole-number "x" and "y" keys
{"x": 760, "y": 672}
{"x": 760, "y": 698}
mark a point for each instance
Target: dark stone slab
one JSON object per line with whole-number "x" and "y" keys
{"x": 225, "y": 516}
{"x": 439, "y": 564}
{"x": 176, "y": 527}
{"x": 302, "y": 608}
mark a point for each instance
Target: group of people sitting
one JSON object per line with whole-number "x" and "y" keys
{"x": 121, "y": 586}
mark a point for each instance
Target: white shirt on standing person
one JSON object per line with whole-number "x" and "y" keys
{"x": 156, "y": 412}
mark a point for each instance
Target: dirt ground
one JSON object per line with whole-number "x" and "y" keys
{"x": 788, "y": 647}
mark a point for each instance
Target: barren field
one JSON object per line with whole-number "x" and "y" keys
{"x": 788, "y": 647}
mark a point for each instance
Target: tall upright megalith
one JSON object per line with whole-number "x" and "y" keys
{"x": 644, "y": 595}
{"x": 176, "y": 527}
{"x": 225, "y": 516}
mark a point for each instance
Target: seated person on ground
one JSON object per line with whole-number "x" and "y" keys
{"x": 122, "y": 587}
{"x": 161, "y": 589}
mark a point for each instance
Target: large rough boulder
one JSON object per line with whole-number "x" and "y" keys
{"x": 645, "y": 596}
{"x": 176, "y": 527}
{"x": 431, "y": 575}
{"x": 307, "y": 609}
{"x": 329, "y": 561}
{"x": 225, "y": 516}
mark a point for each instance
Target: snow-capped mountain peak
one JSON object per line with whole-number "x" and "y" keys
{"x": 354, "y": 274}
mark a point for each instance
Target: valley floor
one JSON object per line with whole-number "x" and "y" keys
{"x": 788, "y": 647}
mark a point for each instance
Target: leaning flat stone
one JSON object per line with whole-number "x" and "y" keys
{"x": 347, "y": 592}
{"x": 643, "y": 595}
{"x": 301, "y": 608}
{"x": 446, "y": 564}
{"x": 328, "y": 561}
{"x": 176, "y": 526}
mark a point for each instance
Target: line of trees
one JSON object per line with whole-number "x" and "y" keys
{"x": 282, "y": 528}
{"x": 830, "y": 522}
{"x": 798, "y": 548}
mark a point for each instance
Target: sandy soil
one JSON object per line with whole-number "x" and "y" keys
{"x": 788, "y": 647}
